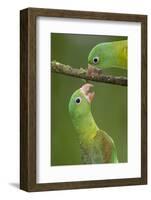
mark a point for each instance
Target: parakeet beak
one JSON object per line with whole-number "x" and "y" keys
{"x": 90, "y": 69}
{"x": 93, "y": 70}
{"x": 86, "y": 90}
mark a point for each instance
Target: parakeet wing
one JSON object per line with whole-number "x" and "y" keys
{"x": 101, "y": 150}
{"x": 107, "y": 147}
{"x": 104, "y": 149}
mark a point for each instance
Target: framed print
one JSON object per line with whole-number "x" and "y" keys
{"x": 83, "y": 99}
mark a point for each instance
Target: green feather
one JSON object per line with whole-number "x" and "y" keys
{"x": 96, "y": 146}
{"x": 109, "y": 54}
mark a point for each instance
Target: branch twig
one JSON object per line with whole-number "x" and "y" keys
{"x": 82, "y": 73}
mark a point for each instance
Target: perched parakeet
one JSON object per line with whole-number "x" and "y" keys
{"x": 108, "y": 55}
{"x": 96, "y": 146}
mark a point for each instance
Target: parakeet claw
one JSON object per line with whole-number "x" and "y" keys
{"x": 85, "y": 89}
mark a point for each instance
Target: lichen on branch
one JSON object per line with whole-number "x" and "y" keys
{"x": 82, "y": 73}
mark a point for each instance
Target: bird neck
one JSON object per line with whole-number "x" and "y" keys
{"x": 86, "y": 128}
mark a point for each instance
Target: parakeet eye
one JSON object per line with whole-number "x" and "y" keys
{"x": 78, "y": 100}
{"x": 95, "y": 60}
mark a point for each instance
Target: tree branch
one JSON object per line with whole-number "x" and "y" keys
{"x": 82, "y": 73}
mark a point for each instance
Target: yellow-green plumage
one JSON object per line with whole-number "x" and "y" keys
{"x": 96, "y": 146}
{"x": 109, "y": 54}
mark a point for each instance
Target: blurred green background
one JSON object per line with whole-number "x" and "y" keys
{"x": 109, "y": 107}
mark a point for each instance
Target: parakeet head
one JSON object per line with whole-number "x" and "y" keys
{"x": 109, "y": 55}
{"x": 80, "y": 101}
{"x": 100, "y": 56}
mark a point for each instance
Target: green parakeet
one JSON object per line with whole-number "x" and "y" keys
{"x": 108, "y": 55}
{"x": 96, "y": 146}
